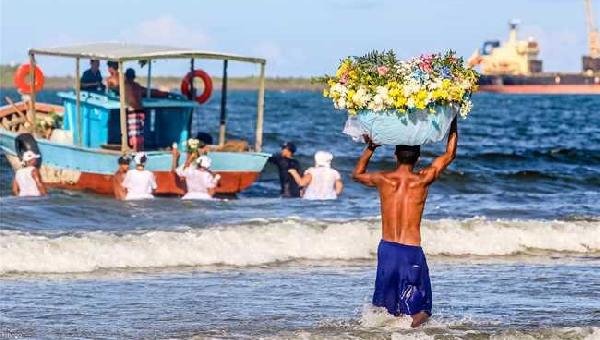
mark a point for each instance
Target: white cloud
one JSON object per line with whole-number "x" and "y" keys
{"x": 280, "y": 61}
{"x": 166, "y": 30}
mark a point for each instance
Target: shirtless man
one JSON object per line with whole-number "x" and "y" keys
{"x": 402, "y": 284}
{"x": 118, "y": 188}
{"x": 136, "y": 115}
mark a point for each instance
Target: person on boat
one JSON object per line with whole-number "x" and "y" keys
{"x": 91, "y": 80}
{"x": 139, "y": 182}
{"x": 27, "y": 181}
{"x": 113, "y": 75}
{"x": 321, "y": 182}
{"x": 285, "y": 161}
{"x": 136, "y": 114}
{"x": 200, "y": 181}
{"x": 402, "y": 283}
{"x": 118, "y": 188}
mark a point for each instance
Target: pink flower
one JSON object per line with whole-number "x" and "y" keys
{"x": 382, "y": 70}
{"x": 426, "y": 62}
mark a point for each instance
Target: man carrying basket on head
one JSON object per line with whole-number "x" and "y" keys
{"x": 402, "y": 283}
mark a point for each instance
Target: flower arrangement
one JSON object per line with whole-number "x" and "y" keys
{"x": 53, "y": 120}
{"x": 380, "y": 82}
{"x": 193, "y": 145}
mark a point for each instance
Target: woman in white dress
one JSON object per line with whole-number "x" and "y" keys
{"x": 200, "y": 181}
{"x": 321, "y": 182}
{"x": 139, "y": 182}
{"x": 28, "y": 181}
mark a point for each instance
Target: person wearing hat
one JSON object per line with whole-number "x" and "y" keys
{"x": 285, "y": 161}
{"x": 118, "y": 189}
{"x": 28, "y": 181}
{"x": 139, "y": 182}
{"x": 321, "y": 182}
{"x": 200, "y": 181}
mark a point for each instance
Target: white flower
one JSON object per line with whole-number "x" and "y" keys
{"x": 410, "y": 103}
{"x": 435, "y": 84}
{"x": 411, "y": 87}
{"x": 361, "y": 97}
{"x": 465, "y": 108}
{"x": 338, "y": 90}
{"x": 341, "y": 103}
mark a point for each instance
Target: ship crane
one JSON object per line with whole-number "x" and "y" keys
{"x": 591, "y": 62}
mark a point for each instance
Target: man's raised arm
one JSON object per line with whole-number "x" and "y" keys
{"x": 436, "y": 168}
{"x": 360, "y": 171}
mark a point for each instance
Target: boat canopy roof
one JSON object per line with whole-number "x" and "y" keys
{"x": 118, "y": 51}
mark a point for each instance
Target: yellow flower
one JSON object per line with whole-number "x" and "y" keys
{"x": 400, "y": 102}
{"x": 353, "y": 75}
{"x": 325, "y": 93}
{"x": 344, "y": 67}
{"x": 350, "y": 95}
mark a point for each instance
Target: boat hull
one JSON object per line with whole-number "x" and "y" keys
{"x": 541, "y": 89}
{"x": 74, "y": 168}
{"x": 542, "y": 83}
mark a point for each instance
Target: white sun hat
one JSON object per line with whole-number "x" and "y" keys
{"x": 323, "y": 158}
{"x": 29, "y": 155}
{"x": 204, "y": 162}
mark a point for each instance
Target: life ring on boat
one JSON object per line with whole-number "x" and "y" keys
{"x": 186, "y": 85}
{"x": 26, "y": 142}
{"x": 22, "y": 82}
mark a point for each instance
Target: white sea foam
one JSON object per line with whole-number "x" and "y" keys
{"x": 270, "y": 241}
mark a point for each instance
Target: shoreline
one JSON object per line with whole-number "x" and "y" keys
{"x": 173, "y": 82}
{"x": 242, "y": 83}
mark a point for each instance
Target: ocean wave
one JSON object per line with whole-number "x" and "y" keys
{"x": 270, "y": 241}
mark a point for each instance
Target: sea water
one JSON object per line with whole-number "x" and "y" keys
{"x": 511, "y": 230}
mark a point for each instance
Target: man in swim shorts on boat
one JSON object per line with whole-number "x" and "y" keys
{"x": 402, "y": 283}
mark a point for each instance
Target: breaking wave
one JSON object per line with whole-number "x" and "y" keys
{"x": 270, "y": 241}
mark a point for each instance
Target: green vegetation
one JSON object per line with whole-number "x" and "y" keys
{"x": 236, "y": 83}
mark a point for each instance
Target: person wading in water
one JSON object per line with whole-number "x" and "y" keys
{"x": 402, "y": 283}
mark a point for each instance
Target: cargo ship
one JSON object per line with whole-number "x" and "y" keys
{"x": 514, "y": 66}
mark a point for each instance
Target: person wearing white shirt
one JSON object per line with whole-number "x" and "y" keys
{"x": 28, "y": 181}
{"x": 200, "y": 181}
{"x": 321, "y": 182}
{"x": 139, "y": 183}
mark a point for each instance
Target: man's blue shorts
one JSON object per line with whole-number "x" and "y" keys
{"x": 402, "y": 285}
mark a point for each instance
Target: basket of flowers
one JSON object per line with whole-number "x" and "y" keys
{"x": 397, "y": 102}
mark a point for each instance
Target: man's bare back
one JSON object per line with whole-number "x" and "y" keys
{"x": 403, "y": 192}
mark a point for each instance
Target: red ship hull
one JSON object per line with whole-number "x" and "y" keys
{"x": 541, "y": 89}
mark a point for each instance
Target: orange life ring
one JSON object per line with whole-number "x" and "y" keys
{"x": 186, "y": 88}
{"x": 22, "y": 81}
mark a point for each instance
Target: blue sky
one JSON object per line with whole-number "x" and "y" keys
{"x": 298, "y": 38}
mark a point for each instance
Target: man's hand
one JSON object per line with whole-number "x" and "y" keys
{"x": 293, "y": 171}
{"x": 370, "y": 145}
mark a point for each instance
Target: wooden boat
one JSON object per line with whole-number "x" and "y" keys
{"x": 82, "y": 154}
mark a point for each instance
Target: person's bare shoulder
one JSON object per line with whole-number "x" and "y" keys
{"x": 388, "y": 179}
{"x": 427, "y": 175}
